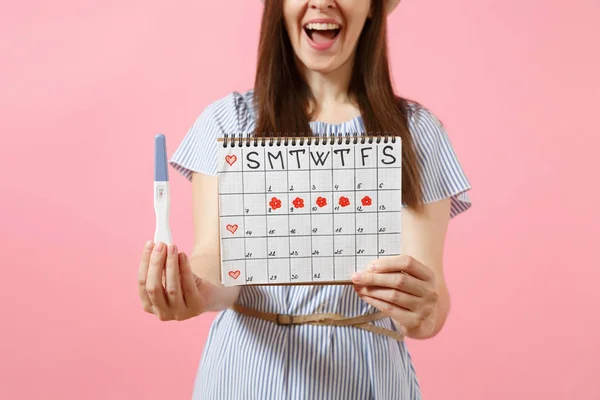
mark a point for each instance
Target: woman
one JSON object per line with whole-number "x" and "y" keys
{"x": 322, "y": 69}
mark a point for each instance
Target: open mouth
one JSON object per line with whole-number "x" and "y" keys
{"x": 322, "y": 32}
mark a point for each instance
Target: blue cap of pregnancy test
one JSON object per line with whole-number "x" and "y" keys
{"x": 161, "y": 174}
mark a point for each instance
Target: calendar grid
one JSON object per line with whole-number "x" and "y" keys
{"x": 306, "y": 169}
{"x": 355, "y": 233}
{"x": 322, "y": 212}
{"x": 341, "y": 234}
{"x": 332, "y": 222}
{"x": 299, "y": 189}
{"x": 377, "y": 194}
{"x": 323, "y": 191}
{"x": 266, "y": 217}
{"x": 307, "y": 257}
{"x": 312, "y": 275}
{"x": 244, "y": 223}
{"x": 287, "y": 184}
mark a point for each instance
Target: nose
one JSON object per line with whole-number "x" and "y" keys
{"x": 321, "y": 4}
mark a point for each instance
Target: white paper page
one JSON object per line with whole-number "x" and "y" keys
{"x": 308, "y": 213}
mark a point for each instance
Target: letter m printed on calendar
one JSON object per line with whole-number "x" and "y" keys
{"x": 307, "y": 212}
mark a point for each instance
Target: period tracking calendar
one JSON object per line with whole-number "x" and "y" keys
{"x": 307, "y": 210}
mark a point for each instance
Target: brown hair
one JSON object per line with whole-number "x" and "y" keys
{"x": 282, "y": 97}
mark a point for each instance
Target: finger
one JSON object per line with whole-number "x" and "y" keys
{"x": 399, "y": 281}
{"x": 393, "y": 296}
{"x": 143, "y": 274}
{"x": 189, "y": 282}
{"x": 406, "y": 318}
{"x": 404, "y": 263}
{"x": 154, "y": 285}
{"x": 173, "y": 283}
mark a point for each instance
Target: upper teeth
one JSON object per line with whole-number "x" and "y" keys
{"x": 322, "y": 27}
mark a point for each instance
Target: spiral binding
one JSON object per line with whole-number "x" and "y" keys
{"x": 271, "y": 140}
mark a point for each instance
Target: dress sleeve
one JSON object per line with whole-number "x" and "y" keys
{"x": 441, "y": 173}
{"x": 198, "y": 150}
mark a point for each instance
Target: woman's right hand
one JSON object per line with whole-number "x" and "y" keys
{"x": 167, "y": 286}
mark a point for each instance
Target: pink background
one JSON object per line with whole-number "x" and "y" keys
{"x": 86, "y": 85}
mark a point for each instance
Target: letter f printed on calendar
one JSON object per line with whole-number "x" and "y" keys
{"x": 307, "y": 210}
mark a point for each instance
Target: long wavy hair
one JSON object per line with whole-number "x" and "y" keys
{"x": 282, "y": 97}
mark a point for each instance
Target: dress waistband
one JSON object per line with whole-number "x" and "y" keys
{"x": 361, "y": 322}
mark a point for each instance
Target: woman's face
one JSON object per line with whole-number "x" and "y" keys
{"x": 324, "y": 33}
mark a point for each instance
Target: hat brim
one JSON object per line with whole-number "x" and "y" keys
{"x": 391, "y": 5}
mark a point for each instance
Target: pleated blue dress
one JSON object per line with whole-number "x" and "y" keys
{"x": 248, "y": 358}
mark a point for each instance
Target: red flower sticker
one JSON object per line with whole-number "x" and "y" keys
{"x": 321, "y": 201}
{"x": 366, "y": 201}
{"x": 344, "y": 201}
{"x": 298, "y": 202}
{"x": 275, "y": 203}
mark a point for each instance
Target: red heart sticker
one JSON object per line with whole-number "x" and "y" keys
{"x": 234, "y": 274}
{"x": 232, "y": 228}
{"x": 231, "y": 159}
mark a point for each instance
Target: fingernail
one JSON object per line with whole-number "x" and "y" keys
{"x": 171, "y": 249}
{"x": 149, "y": 244}
{"x": 158, "y": 248}
{"x": 356, "y": 276}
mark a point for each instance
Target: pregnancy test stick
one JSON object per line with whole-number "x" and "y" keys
{"x": 162, "y": 200}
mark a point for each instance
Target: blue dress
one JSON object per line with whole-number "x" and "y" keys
{"x": 248, "y": 358}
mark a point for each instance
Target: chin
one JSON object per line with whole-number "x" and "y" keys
{"x": 322, "y": 65}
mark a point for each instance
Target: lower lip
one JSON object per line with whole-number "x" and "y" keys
{"x": 320, "y": 46}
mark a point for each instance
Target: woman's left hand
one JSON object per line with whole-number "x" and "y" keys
{"x": 403, "y": 289}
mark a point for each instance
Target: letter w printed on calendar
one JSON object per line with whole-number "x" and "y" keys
{"x": 307, "y": 210}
